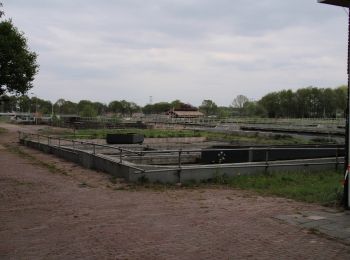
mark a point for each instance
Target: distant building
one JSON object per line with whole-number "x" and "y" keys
{"x": 185, "y": 114}
{"x": 23, "y": 118}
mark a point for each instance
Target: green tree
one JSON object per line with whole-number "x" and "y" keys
{"x": 224, "y": 112}
{"x": 86, "y": 108}
{"x": 115, "y": 106}
{"x": 100, "y": 107}
{"x": 123, "y": 107}
{"x": 133, "y": 108}
{"x": 305, "y": 102}
{"x": 329, "y": 103}
{"x": 162, "y": 107}
{"x": 18, "y": 64}
{"x": 308, "y": 102}
{"x": 340, "y": 94}
{"x": 70, "y": 108}
{"x": 271, "y": 103}
{"x": 287, "y": 103}
{"x": 23, "y": 103}
{"x": 88, "y": 111}
{"x": 176, "y": 104}
{"x": 254, "y": 109}
{"x": 208, "y": 107}
{"x": 157, "y": 108}
{"x": 57, "y": 107}
{"x": 65, "y": 107}
{"x": 41, "y": 106}
{"x": 8, "y": 103}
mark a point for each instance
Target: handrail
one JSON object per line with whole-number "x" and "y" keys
{"x": 82, "y": 142}
{"x": 182, "y": 152}
{"x": 206, "y": 120}
{"x": 254, "y": 148}
{"x": 247, "y": 165}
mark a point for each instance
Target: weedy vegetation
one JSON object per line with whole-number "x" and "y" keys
{"x": 233, "y": 138}
{"x": 324, "y": 187}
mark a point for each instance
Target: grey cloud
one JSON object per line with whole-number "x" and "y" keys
{"x": 186, "y": 49}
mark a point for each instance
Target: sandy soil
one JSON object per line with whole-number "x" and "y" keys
{"x": 52, "y": 209}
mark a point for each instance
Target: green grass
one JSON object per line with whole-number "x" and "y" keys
{"x": 325, "y": 188}
{"x": 51, "y": 167}
{"x": 56, "y": 131}
{"x": 4, "y": 119}
{"x": 313, "y": 187}
{"x": 148, "y": 133}
{"x": 164, "y": 133}
{"x": 2, "y": 130}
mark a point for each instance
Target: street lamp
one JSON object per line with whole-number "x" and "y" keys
{"x": 346, "y": 4}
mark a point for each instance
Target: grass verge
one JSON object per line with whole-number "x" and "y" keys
{"x": 2, "y": 130}
{"x": 325, "y": 187}
{"x": 314, "y": 187}
{"x": 51, "y": 167}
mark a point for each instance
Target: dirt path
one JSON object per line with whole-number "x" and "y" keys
{"x": 51, "y": 209}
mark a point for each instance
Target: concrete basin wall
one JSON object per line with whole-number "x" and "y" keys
{"x": 199, "y": 175}
{"x": 164, "y": 159}
{"x": 85, "y": 159}
{"x": 187, "y": 174}
{"x": 210, "y": 172}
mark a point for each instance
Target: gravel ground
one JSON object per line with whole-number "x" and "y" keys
{"x": 52, "y": 209}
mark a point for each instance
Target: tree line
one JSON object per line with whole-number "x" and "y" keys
{"x": 85, "y": 108}
{"x": 310, "y": 102}
{"x": 306, "y": 102}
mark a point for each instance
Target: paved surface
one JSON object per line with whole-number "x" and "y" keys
{"x": 333, "y": 223}
{"x": 51, "y": 209}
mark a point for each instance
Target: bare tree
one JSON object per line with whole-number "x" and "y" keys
{"x": 239, "y": 101}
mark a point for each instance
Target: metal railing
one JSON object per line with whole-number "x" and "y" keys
{"x": 124, "y": 153}
{"x": 73, "y": 144}
{"x": 241, "y": 120}
{"x": 155, "y": 118}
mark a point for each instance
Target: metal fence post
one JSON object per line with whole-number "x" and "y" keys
{"x": 180, "y": 151}
{"x": 94, "y": 148}
{"x": 59, "y": 142}
{"x": 73, "y": 144}
{"x": 250, "y": 159}
{"x": 336, "y": 159}
{"x": 267, "y": 158}
{"x": 120, "y": 155}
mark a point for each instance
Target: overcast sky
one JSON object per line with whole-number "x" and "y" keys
{"x": 181, "y": 49}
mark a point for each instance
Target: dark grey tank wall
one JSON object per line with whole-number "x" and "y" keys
{"x": 278, "y": 153}
{"x": 129, "y": 138}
